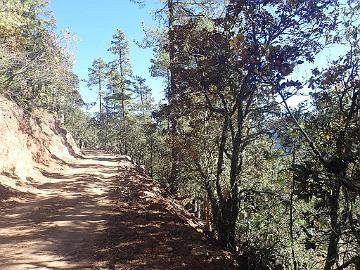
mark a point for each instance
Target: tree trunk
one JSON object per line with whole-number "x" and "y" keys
{"x": 357, "y": 264}
{"x": 151, "y": 157}
{"x": 332, "y": 251}
{"x": 172, "y": 121}
{"x": 291, "y": 212}
{"x": 226, "y": 225}
{"x": 206, "y": 212}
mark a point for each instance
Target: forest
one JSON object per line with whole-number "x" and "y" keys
{"x": 257, "y": 131}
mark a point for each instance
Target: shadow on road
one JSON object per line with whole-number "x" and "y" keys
{"x": 101, "y": 210}
{"x": 60, "y": 228}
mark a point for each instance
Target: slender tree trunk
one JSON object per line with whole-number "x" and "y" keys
{"x": 100, "y": 104}
{"x": 291, "y": 212}
{"x": 206, "y": 212}
{"x": 225, "y": 213}
{"x": 100, "y": 109}
{"x": 227, "y": 225}
{"x": 142, "y": 102}
{"x": 172, "y": 121}
{"x": 151, "y": 157}
{"x": 100, "y": 95}
{"x": 106, "y": 120}
{"x": 123, "y": 121}
{"x": 230, "y": 203}
{"x": 332, "y": 251}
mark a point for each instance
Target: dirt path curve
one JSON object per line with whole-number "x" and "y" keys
{"x": 100, "y": 211}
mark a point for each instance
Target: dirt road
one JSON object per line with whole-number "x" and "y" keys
{"x": 100, "y": 213}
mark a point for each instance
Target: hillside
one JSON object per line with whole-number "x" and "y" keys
{"x": 87, "y": 211}
{"x": 30, "y": 142}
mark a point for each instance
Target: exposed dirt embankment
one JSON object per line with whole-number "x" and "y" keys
{"x": 29, "y": 142}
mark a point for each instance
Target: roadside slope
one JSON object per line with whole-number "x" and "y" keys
{"x": 30, "y": 142}
{"x": 151, "y": 232}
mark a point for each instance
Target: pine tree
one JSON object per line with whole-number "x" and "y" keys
{"x": 121, "y": 72}
{"x": 97, "y": 74}
{"x": 97, "y": 77}
{"x": 143, "y": 93}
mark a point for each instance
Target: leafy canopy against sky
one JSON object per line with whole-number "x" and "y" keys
{"x": 94, "y": 23}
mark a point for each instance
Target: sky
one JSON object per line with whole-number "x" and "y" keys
{"x": 94, "y": 22}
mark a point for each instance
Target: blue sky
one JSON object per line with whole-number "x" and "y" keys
{"x": 94, "y": 23}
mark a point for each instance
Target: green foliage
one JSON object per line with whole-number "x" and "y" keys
{"x": 285, "y": 177}
{"x": 35, "y": 71}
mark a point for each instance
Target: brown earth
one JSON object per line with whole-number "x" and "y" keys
{"x": 30, "y": 142}
{"x": 100, "y": 212}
